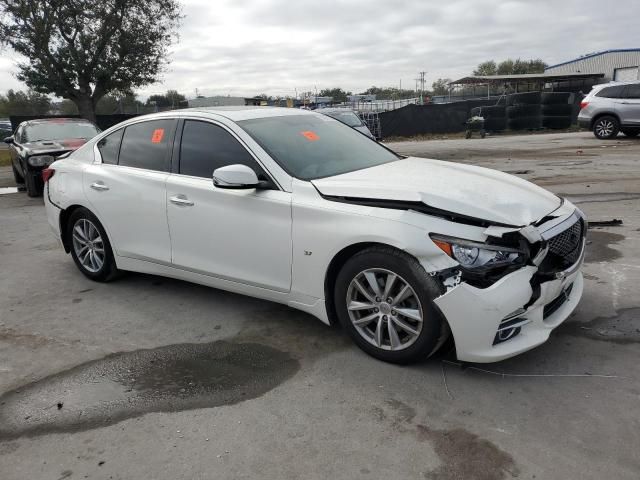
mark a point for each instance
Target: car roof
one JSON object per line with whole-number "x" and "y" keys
{"x": 38, "y": 121}
{"x": 245, "y": 113}
{"x": 334, "y": 110}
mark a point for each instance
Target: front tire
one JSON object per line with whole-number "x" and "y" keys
{"x": 90, "y": 247}
{"x": 384, "y": 300}
{"x": 606, "y": 128}
{"x": 34, "y": 185}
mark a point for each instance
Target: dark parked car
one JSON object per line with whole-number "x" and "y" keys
{"x": 36, "y": 144}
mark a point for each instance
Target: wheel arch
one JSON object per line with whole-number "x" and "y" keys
{"x": 66, "y": 214}
{"x": 599, "y": 115}
{"x": 336, "y": 264}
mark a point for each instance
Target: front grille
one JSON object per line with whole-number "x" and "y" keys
{"x": 551, "y": 307}
{"x": 564, "y": 249}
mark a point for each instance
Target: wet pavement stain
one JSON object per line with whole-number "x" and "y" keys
{"x": 622, "y": 328}
{"x": 598, "y": 246}
{"x": 126, "y": 385}
{"x": 464, "y": 455}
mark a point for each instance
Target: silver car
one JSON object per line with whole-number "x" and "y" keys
{"x": 348, "y": 117}
{"x": 611, "y": 108}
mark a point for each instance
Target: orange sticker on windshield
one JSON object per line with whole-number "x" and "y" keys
{"x": 158, "y": 133}
{"x": 309, "y": 135}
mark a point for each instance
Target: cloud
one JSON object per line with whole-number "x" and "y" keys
{"x": 245, "y": 47}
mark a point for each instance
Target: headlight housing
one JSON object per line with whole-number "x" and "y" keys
{"x": 478, "y": 256}
{"x": 40, "y": 160}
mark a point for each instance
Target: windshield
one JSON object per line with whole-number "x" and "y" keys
{"x": 315, "y": 146}
{"x": 347, "y": 117}
{"x": 60, "y": 131}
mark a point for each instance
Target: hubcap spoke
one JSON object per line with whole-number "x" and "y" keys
{"x": 402, "y": 296}
{"x": 373, "y": 283}
{"x": 391, "y": 279}
{"x": 363, "y": 291}
{"x": 404, "y": 326}
{"x": 379, "y": 332}
{"x": 360, "y": 306}
{"x": 394, "y": 340}
{"x": 366, "y": 320}
{"x": 411, "y": 313}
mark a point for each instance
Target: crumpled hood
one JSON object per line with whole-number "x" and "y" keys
{"x": 466, "y": 190}
{"x": 49, "y": 146}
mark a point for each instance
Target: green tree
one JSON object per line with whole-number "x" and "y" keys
{"x": 338, "y": 94}
{"x": 390, "y": 93}
{"x": 171, "y": 99}
{"x": 118, "y": 102}
{"x": 510, "y": 67}
{"x": 441, "y": 86}
{"x": 67, "y": 107}
{"x": 24, "y": 103}
{"x": 486, "y": 68}
{"x": 82, "y": 49}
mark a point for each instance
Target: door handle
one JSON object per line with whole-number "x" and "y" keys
{"x": 99, "y": 186}
{"x": 181, "y": 200}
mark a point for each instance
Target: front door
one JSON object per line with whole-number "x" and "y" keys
{"x": 239, "y": 235}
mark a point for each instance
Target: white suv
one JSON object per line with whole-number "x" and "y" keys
{"x": 611, "y": 108}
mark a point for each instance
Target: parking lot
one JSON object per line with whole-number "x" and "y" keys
{"x": 149, "y": 377}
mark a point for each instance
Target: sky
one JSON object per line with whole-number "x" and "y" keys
{"x": 280, "y": 47}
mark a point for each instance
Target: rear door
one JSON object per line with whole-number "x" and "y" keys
{"x": 629, "y": 106}
{"x": 126, "y": 187}
{"x": 239, "y": 235}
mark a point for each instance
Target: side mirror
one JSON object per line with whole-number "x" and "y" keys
{"x": 9, "y": 140}
{"x": 235, "y": 176}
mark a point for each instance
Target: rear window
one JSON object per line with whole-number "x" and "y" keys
{"x": 59, "y": 130}
{"x": 144, "y": 145}
{"x": 109, "y": 147}
{"x": 347, "y": 117}
{"x": 633, "y": 91}
{"x": 611, "y": 92}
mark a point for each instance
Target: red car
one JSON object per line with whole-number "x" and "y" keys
{"x": 38, "y": 143}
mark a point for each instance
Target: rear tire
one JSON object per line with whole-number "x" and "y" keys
{"x": 400, "y": 324}
{"x": 90, "y": 247}
{"x": 606, "y": 127}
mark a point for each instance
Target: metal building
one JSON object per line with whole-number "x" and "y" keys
{"x": 620, "y": 65}
{"x": 219, "y": 101}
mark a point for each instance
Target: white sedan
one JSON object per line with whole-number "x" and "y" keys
{"x": 295, "y": 207}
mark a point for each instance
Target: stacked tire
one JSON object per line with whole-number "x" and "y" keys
{"x": 556, "y": 110}
{"x": 494, "y": 117}
{"x": 524, "y": 111}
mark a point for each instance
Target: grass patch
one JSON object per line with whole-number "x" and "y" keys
{"x": 5, "y": 157}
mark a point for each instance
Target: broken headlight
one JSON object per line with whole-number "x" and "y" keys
{"x": 475, "y": 255}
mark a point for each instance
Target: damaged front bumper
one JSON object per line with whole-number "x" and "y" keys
{"x": 514, "y": 314}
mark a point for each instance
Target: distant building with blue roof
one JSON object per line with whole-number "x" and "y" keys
{"x": 620, "y": 65}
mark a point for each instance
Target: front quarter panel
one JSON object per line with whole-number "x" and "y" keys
{"x": 322, "y": 228}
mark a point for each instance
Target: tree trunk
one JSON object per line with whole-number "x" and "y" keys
{"x": 86, "y": 107}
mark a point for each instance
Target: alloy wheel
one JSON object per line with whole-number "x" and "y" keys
{"x": 605, "y": 128}
{"x": 88, "y": 245}
{"x": 384, "y": 309}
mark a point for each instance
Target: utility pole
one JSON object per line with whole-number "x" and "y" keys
{"x": 421, "y": 79}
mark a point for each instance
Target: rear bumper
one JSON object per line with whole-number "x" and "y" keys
{"x": 584, "y": 122}
{"x": 53, "y": 215}
{"x": 475, "y": 314}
